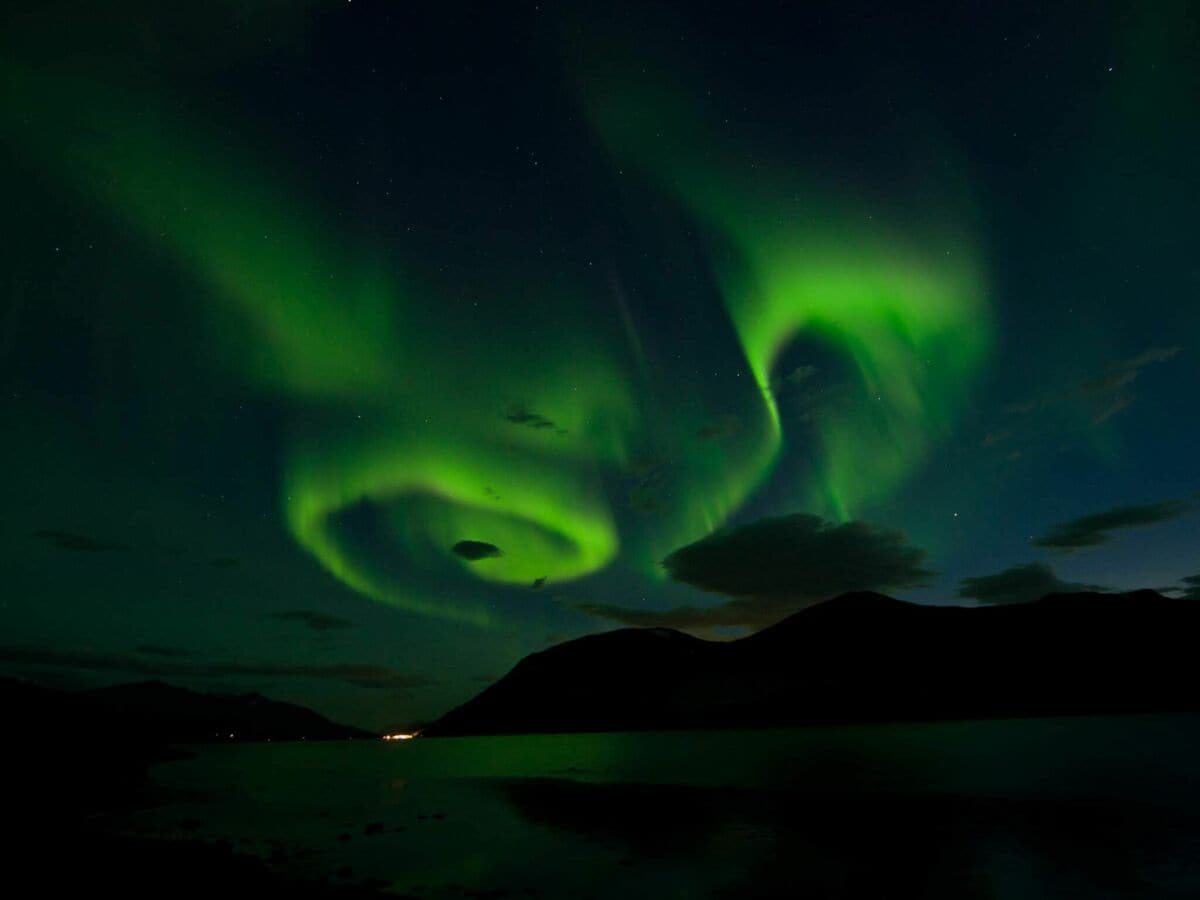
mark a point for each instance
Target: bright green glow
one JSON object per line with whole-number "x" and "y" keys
{"x": 549, "y": 521}
{"x": 913, "y": 329}
{"x": 317, "y": 312}
{"x": 328, "y": 328}
{"x": 454, "y": 470}
{"x": 417, "y": 411}
{"x": 906, "y": 308}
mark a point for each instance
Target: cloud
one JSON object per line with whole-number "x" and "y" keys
{"x": 76, "y": 542}
{"x": 363, "y": 675}
{"x": 798, "y": 555}
{"x": 1071, "y": 410}
{"x": 1103, "y": 395}
{"x": 803, "y": 398}
{"x": 474, "y": 550}
{"x": 1191, "y": 587}
{"x": 739, "y": 613}
{"x": 775, "y": 566}
{"x": 1020, "y": 584}
{"x": 651, "y": 478}
{"x": 519, "y": 415}
{"x": 1088, "y": 531}
{"x": 999, "y": 436}
{"x": 720, "y": 428}
{"x": 1110, "y": 390}
{"x": 160, "y": 650}
{"x": 317, "y": 621}
{"x": 798, "y": 375}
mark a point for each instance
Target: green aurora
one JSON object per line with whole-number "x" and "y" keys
{"x": 299, "y": 296}
{"x": 386, "y": 421}
{"x": 792, "y": 255}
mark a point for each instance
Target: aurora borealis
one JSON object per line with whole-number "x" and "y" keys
{"x": 300, "y": 297}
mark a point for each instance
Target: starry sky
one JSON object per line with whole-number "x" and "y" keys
{"x": 350, "y": 351}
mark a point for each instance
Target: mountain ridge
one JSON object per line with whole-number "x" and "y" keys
{"x": 155, "y": 712}
{"x": 1063, "y": 654}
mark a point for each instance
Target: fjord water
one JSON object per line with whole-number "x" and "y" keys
{"x": 1071, "y": 807}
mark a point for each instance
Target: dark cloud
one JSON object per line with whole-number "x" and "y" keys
{"x": 317, "y": 621}
{"x": 741, "y": 613}
{"x": 775, "y": 566}
{"x": 798, "y": 375}
{"x": 1021, "y": 407}
{"x": 160, "y": 650}
{"x": 799, "y": 555}
{"x": 474, "y": 550}
{"x": 646, "y": 501}
{"x": 1102, "y": 395}
{"x": 1191, "y": 587}
{"x": 803, "y": 398}
{"x": 1020, "y": 584}
{"x": 720, "y": 428}
{"x": 1111, "y": 391}
{"x": 1088, "y": 531}
{"x": 363, "y": 675}
{"x": 76, "y": 542}
{"x": 526, "y": 418}
{"x": 650, "y": 483}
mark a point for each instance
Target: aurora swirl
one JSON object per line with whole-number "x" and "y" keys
{"x": 396, "y": 450}
{"x": 904, "y": 303}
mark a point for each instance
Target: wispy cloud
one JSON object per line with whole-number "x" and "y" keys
{"x": 1190, "y": 587}
{"x": 364, "y": 675}
{"x": 317, "y": 621}
{"x": 77, "y": 542}
{"x": 1076, "y": 406}
{"x": 527, "y": 418}
{"x": 161, "y": 651}
{"x": 1020, "y": 584}
{"x": 476, "y": 550}
{"x": 775, "y": 566}
{"x": 1087, "y": 531}
{"x": 1111, "y": 392}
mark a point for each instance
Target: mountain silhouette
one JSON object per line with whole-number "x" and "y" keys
{"x": 152, "y": 712}
{"x": 861, "y": 657}
{"x": 81, "y": 752}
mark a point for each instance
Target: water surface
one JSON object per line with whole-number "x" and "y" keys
{"x": 1079, "y": 807}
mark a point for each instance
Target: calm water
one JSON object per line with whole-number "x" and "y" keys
{"x": 1102, "y": 807}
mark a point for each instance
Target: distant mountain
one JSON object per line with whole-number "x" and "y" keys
{"x": 860, "y": 657}
{"x": 152, "y": 712}
{"x": 71, "y": 759}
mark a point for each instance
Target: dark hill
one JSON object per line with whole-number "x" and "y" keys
{"x": 152, "y": 712}
{"x": 175, "y": 714}
{"x": 76, "y": 753}
{"x": 861, "y": 657}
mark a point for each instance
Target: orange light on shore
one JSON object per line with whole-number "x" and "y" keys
{"x": 400, "y": 737}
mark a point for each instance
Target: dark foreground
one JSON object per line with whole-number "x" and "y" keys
{"x": 1028, "y": 809}
{"x": 76, "y": 765}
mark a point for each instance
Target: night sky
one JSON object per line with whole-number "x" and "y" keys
{"x": 350, "y": 351}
